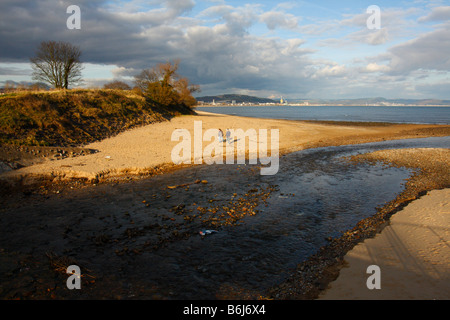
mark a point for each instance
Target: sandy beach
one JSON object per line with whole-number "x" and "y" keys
{"x": 412, "y": 252}
{"x": 413, "y": 255}
{"x": 140, "y": 150}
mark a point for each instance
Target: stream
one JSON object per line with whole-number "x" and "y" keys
{"x": 141, "y": 239}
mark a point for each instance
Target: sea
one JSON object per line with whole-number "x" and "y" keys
{"x": 395, "y": 114}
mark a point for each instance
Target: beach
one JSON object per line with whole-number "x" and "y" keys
{"x": 412, "y": 253}
{"x": 141, "y": 150}
{"x": 146, "y": 151}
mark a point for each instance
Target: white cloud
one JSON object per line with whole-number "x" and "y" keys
{"x": 437, "y": 14}
{"x": 374, "y": 67}
{"x": 15, "y": 69}
{"x": 433, "y": 89}
{"x": 292, "y": 47}
{"x": 236, "y": 19}
{"x": 244, "y": 47}
{"x": 278, "y": 19}
{"x": 330, "y": 71}
{"x": 394, "y": 23}
{"x": 372, "y": 37}
{"x": 429, "y": 51}
{"x": 166, "y": 12}
{"x": 122, "y": 72}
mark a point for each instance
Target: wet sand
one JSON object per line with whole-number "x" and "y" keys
{"x": 413, "y": 255}
{"x": 413, "y": 252}
{"x": 140, "y": 151}
{"x": 432, "y": 172}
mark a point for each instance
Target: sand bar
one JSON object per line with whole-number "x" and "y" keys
{"x": 413, "y": 254}
{"x": 328, "y": 268}
{"x": 140, "y": 149}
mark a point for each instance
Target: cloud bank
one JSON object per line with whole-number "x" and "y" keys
{"x": 285, "y": 49}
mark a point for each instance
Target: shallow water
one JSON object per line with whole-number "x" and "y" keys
{"x": 143, "y": 237}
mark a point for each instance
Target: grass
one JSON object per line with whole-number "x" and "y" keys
{"x": 75, "y": 117}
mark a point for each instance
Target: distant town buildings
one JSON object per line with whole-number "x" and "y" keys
{"x": 234, "y": 103}
{"x": 241, "y": 100}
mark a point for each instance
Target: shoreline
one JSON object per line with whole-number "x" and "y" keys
{"x": 319, "y": 105}
{"x": 411, "y": 253}
{"x": 145, "y": 151}
{"x": 314, "y": 275}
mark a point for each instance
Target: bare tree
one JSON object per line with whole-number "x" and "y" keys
{"x": 165, "y": 86}
{"x": 144, "y": 78}
{"x": 57, "y": 63}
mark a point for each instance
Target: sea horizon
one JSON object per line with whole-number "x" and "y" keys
{"x": 386, "y": 114}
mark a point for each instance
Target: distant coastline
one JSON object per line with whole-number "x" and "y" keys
{"x": 318, "y": 105}
{"x": 226, "y": 100}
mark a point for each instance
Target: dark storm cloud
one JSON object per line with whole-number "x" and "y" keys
{"x": 215, "y": 46}
{"x": 225, "y": 54}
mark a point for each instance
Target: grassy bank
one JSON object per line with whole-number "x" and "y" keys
{"x": 75, "y": 117}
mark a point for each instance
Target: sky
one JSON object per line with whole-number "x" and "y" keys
{"x": 318, "y": 49}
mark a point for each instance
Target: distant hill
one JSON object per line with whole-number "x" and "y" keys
{"x": 236, "y": 98}
{"x": 240, "y": 98}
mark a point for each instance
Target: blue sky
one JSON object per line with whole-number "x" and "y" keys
{"x": 294, "y": 49}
